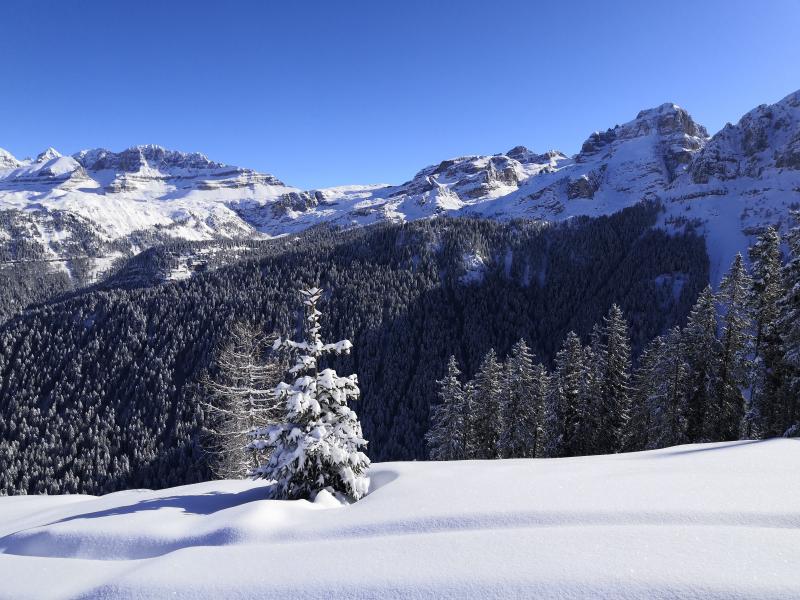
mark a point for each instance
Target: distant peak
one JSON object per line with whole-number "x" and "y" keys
{"x": 524, "y": 155}
{"x": 48, "y": 154}
{"x": 792, "y": 100}
{"x": 8, "y": 160}
{"x": 518, "y": 151}
{"x": 661, "y": 109}
{"x": 136, "y": 157}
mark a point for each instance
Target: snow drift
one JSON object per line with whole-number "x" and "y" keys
{"x": 709, "y": 520}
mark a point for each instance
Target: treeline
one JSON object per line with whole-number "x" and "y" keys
{"x": 99, "y": 392}
{"x": 732, "y": 372}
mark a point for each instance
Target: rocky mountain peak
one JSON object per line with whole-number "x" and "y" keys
{"x": 671, "y": 119}
{"x": 8, "y": 160}
{"x": 525, "y": 156}
{"x": 668, "y": 121}
{"x": 665, "y": 136}
{"x": 135, "y": 158}
{"x": 47, "y": 155}
{"x": 767, "y": 137}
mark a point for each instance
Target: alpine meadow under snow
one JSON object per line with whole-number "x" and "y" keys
{"x": 700, "y": 521}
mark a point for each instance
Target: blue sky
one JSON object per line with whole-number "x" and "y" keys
{"x": 329, "y": 93}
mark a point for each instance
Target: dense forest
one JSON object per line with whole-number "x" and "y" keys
{"x": 732, "y": 372}
{"x": 99, "y": 391}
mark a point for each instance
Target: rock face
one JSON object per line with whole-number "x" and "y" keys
{"x": 746, "y": 176}
{"x": 766, "y": 138}
{"x": 136, "y": 158}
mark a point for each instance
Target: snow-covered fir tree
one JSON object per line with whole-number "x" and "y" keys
{"x": 669, "y": 396}
{"x": 470, "y": 446}
{"x": 239, "y": 400}
{"x": 587, "y": 417}
{"x": 613, "y": 360}
{"x": 789, "y": 324}
{"x": 701, "y": 352}
{"x": 317, "y": 445}
{"x": 521, "y": 405}
{"x": 540, "y": 391}
{"x": 486, "y": 417}
{"x": 727, "y": 410}
{"x": 566, "y": 400}
{"x": 644, "y": 388}
{"x": 448, "y": 434}
{"x": 765, "y": 259}
{"x": 590, "y": 421}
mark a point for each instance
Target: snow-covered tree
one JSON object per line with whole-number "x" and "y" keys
{"x": 644, "y": 388}
{"x": 587, "y": 415}
{"x": 767, "y": 289}
{"x": 521, "y": 404}
{"x": 701, "y": 352}
{"x": 613, "y": 360}
{"x": 565, "y": 407}
{"x": 788, "y": 418}
{"x": 669, "y": 395}
{"x": 726, "y": 413}
{"x": 448, "y": 435}
{"x": 317, "y": 445}
{"x": 470, "y": 446}
{"x": 540, "y": 390}
{"x": 239, "y": 400}
{"x": 485, "y": 402}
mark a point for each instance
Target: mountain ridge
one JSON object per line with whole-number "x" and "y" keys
{"x": 730, "y": 185}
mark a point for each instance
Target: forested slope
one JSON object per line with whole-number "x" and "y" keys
{"x": 98, "y": 392}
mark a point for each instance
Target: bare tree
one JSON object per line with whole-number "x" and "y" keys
{"x": 239, "y": 399}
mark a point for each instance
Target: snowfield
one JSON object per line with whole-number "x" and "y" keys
{"x": 700, "y": 521}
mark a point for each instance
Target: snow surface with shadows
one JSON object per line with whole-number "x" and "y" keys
{"x": 701, "y": 521}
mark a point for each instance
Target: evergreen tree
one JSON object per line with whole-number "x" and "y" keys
{"x": 587, "y": 409}
{"x": 789, "y": 323}
{"x": 614, "y": 360}
{"x": 724, "y": 421}
{"x": 521, "y": 404}
{"x": 767, "y": 289}
{"x": 670, "y": 393}
{"x": 701, "y": 352}
{"x": 448, "y": 433}
{"x": 317, "y": 445}
{"x": 539, "y": 393}
{"x": 644, "y": 387}
{"x": 485, "y": 402}
{"x": 566, "y": 400}
{"x": 470, "y": 446}
{"x": 240, "y": 400}
{"x": 589, "y": 428}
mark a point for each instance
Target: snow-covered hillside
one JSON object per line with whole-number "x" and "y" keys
{"x": 745, "y": 177}
{"x": 702, "y": 521}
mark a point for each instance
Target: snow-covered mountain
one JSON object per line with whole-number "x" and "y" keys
{"x": 730, "y": 185}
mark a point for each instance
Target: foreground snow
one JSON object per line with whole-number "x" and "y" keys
{"x": 713, "y": 520}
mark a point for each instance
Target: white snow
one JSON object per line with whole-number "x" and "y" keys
{"x": 701, "y": 521}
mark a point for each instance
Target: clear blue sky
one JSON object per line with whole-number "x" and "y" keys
{"x": 329, "y": 93}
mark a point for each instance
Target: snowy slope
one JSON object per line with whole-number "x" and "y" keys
{"x": 702, "y": 521}
{"x": 730, "y": 186}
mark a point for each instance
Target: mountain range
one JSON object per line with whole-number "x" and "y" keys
{"x": 103, "y": 206}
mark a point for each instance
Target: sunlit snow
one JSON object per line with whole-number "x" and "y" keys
{"x": 707, "y": 520}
